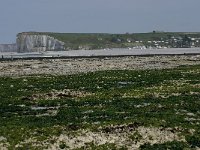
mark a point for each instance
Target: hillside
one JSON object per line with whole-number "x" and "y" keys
{"x": 103, "y": 40}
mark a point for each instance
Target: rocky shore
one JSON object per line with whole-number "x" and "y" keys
{"x": 71, "y": 66}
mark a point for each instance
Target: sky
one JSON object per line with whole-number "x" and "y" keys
{"x": 97, "y": 16}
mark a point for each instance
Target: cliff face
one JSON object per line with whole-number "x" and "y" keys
{"x": 30, "y": 42}
{"x": 8, "y": 47}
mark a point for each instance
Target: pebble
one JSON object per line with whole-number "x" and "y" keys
{"x": 73, "y": 66}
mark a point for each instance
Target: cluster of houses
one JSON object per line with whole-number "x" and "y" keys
{"x": 172, "y": 42}
{"x": 185, "y": 42}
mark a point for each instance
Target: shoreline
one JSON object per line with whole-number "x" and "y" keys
{"x": 99, "y": 53}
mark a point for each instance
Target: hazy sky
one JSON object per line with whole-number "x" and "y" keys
{"x": 107, "y": 16}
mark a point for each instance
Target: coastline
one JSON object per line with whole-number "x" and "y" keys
{"x": 117, "y": 52}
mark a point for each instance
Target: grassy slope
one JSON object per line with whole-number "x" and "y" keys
{"x": 97, "y": 41}
{"x": 166, "y": 97}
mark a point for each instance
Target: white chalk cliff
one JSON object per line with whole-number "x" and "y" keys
{"x": 30, "y": 42}
{"x": 8, "y": 47}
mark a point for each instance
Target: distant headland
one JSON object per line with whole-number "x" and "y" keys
{"x": 48, "y": 41}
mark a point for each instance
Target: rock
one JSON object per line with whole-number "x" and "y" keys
{"x": 34, "y": 42}
{"x": 8, "y": 47}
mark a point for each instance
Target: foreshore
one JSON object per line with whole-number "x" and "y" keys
{"x": 52, "y": 66}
